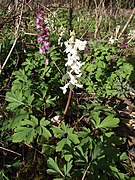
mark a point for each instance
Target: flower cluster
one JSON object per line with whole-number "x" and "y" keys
{"x": 73, "y": 46}
{"x": 62, "y": 31}
{"x": 43, "y": 33}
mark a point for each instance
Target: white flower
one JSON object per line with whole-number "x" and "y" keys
{"x": 68, "y": 47}
{"x": 55, "y": 119}
{"x": 62, "y": 31}
{"x": 80, "y": 44}
{"x": 73, "y": 80}
{"x": 76, "y": 67}
{"x": 64, "y": 88}
{"x": 79, "y": 85}
{"x": 111, "y": 40}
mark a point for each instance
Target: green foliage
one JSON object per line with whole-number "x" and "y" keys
{"x": 107, "y": 72}
{"x": 29, "y": 129}
{"x": 88, "y": 151}
{"x": 68, "y": 138}
{"x": 54, "y": 169}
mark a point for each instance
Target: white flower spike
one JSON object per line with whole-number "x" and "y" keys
{"x": 73, "y": 46}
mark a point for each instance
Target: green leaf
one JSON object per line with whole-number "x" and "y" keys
{"x": 12, "y": 106}
{"x": 25, "y": 133}
{"x": 44, "y": 122}
{"x": 68, "y": 156}
{"x": 54, "y": 169}
{"x": 68, "y": 167}
{"x": 27, "y": 122}
{"x": 48, "y": 149}
{"x": 45, "y": 132}
{"x": 79, "y": 152}
{"x": 98, "y": 149}
{"x": 123, "y": 156}
{"x": 61, "y": 144}
{"x": 74, "y": 138}
{"x": 30, "y": 99}
{"x": 20, "y": 135}
{"x": 84, "y": 133}
{"x": 50, "y": 101}
{"x": 15, "y": 121}
{"x": 64, "y": 127}
{"x": 108, "y": 122}
{"x": 57, "y": 131}
{"x": 15, "y": 99}
{"x": 20, "y": 75}
{"x": 30, "y": 136}
{"x": 95, "y": 116}
{"x": 34, "y": 120}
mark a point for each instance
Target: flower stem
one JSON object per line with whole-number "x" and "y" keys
{"x": 68, "y": 102}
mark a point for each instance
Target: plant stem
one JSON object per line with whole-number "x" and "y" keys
{"x": 70, "y": 16}
{"x": 86, "y": 171}
{"x": 68, "y": 102}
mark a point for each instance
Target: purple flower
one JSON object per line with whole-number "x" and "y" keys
{"x": 47, "y": 45}
{"x": 42, "y": 37}
{"x": 42, "y": 50}
{"x": 124, "y": 45}
{"x": 87, "y": 52}
{"x": 40, "y": 14}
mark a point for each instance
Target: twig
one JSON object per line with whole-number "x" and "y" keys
{"x": 81, "y": 118}
{"x": 132, "y": 38}
{"x": 31, "y": 34}
{"x": 85, "y": 172}
{"x": 4, "y": 149}
{"x": 124, "y": 28}
{"x": 58, "y": 68}
{"x": 9, "y": 53}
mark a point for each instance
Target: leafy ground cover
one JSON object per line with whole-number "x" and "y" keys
{"x": 67, "y": 93}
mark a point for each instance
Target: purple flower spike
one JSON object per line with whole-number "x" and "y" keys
{"x": 42, "y": 38}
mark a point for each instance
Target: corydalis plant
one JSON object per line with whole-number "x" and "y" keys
{"x": 44, "y": 44}
{"x": 73, "y": 64}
